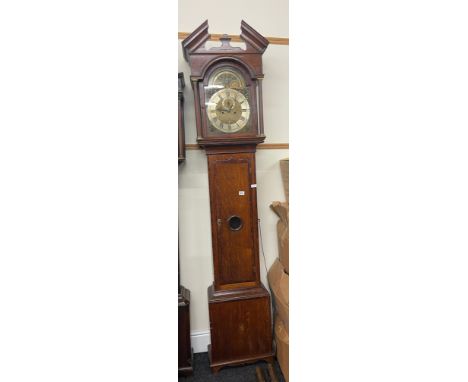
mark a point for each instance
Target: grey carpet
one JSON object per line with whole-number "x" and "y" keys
{"x": 202, "y": 372}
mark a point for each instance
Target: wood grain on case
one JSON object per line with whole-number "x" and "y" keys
{"x": 240, "y": 327}
{"x": 235, "y": 253}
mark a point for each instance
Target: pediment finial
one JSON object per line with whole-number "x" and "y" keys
{"x": 196, "y": 39}
{"x": 253, "y": 38}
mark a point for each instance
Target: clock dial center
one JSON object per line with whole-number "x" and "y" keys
{"x": 228, "y": 110}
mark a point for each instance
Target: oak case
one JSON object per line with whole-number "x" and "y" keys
{"x": 239, "y": 305}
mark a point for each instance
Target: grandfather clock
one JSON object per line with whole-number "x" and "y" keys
{"x": 226, "y": 82}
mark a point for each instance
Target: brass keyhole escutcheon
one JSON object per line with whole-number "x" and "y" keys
{"x": 235, "y": 223}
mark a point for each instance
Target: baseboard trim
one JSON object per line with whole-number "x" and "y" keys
{"x": 200, "y": 340}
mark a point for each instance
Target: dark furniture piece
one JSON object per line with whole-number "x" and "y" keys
{"x": 181, "y": 118}
{"x": 226, "y": 81}
{"x": 185, "y": 348}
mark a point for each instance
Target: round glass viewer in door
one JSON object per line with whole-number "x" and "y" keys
{"x": 235, "y": 223}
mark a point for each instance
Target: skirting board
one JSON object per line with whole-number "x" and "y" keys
{"x": 200, "y": 340}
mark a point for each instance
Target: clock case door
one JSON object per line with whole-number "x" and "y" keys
{"x": 234, "y": 220}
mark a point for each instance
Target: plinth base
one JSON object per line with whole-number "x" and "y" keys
{"x": 241, "y": 330}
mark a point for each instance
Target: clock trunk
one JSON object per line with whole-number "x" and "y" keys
{"x": 239, "y": 305}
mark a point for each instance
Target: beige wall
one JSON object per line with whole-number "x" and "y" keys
{"x": 270, "y": 18}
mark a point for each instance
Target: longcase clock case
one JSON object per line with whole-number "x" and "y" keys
{"x": 226, "y": 82}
